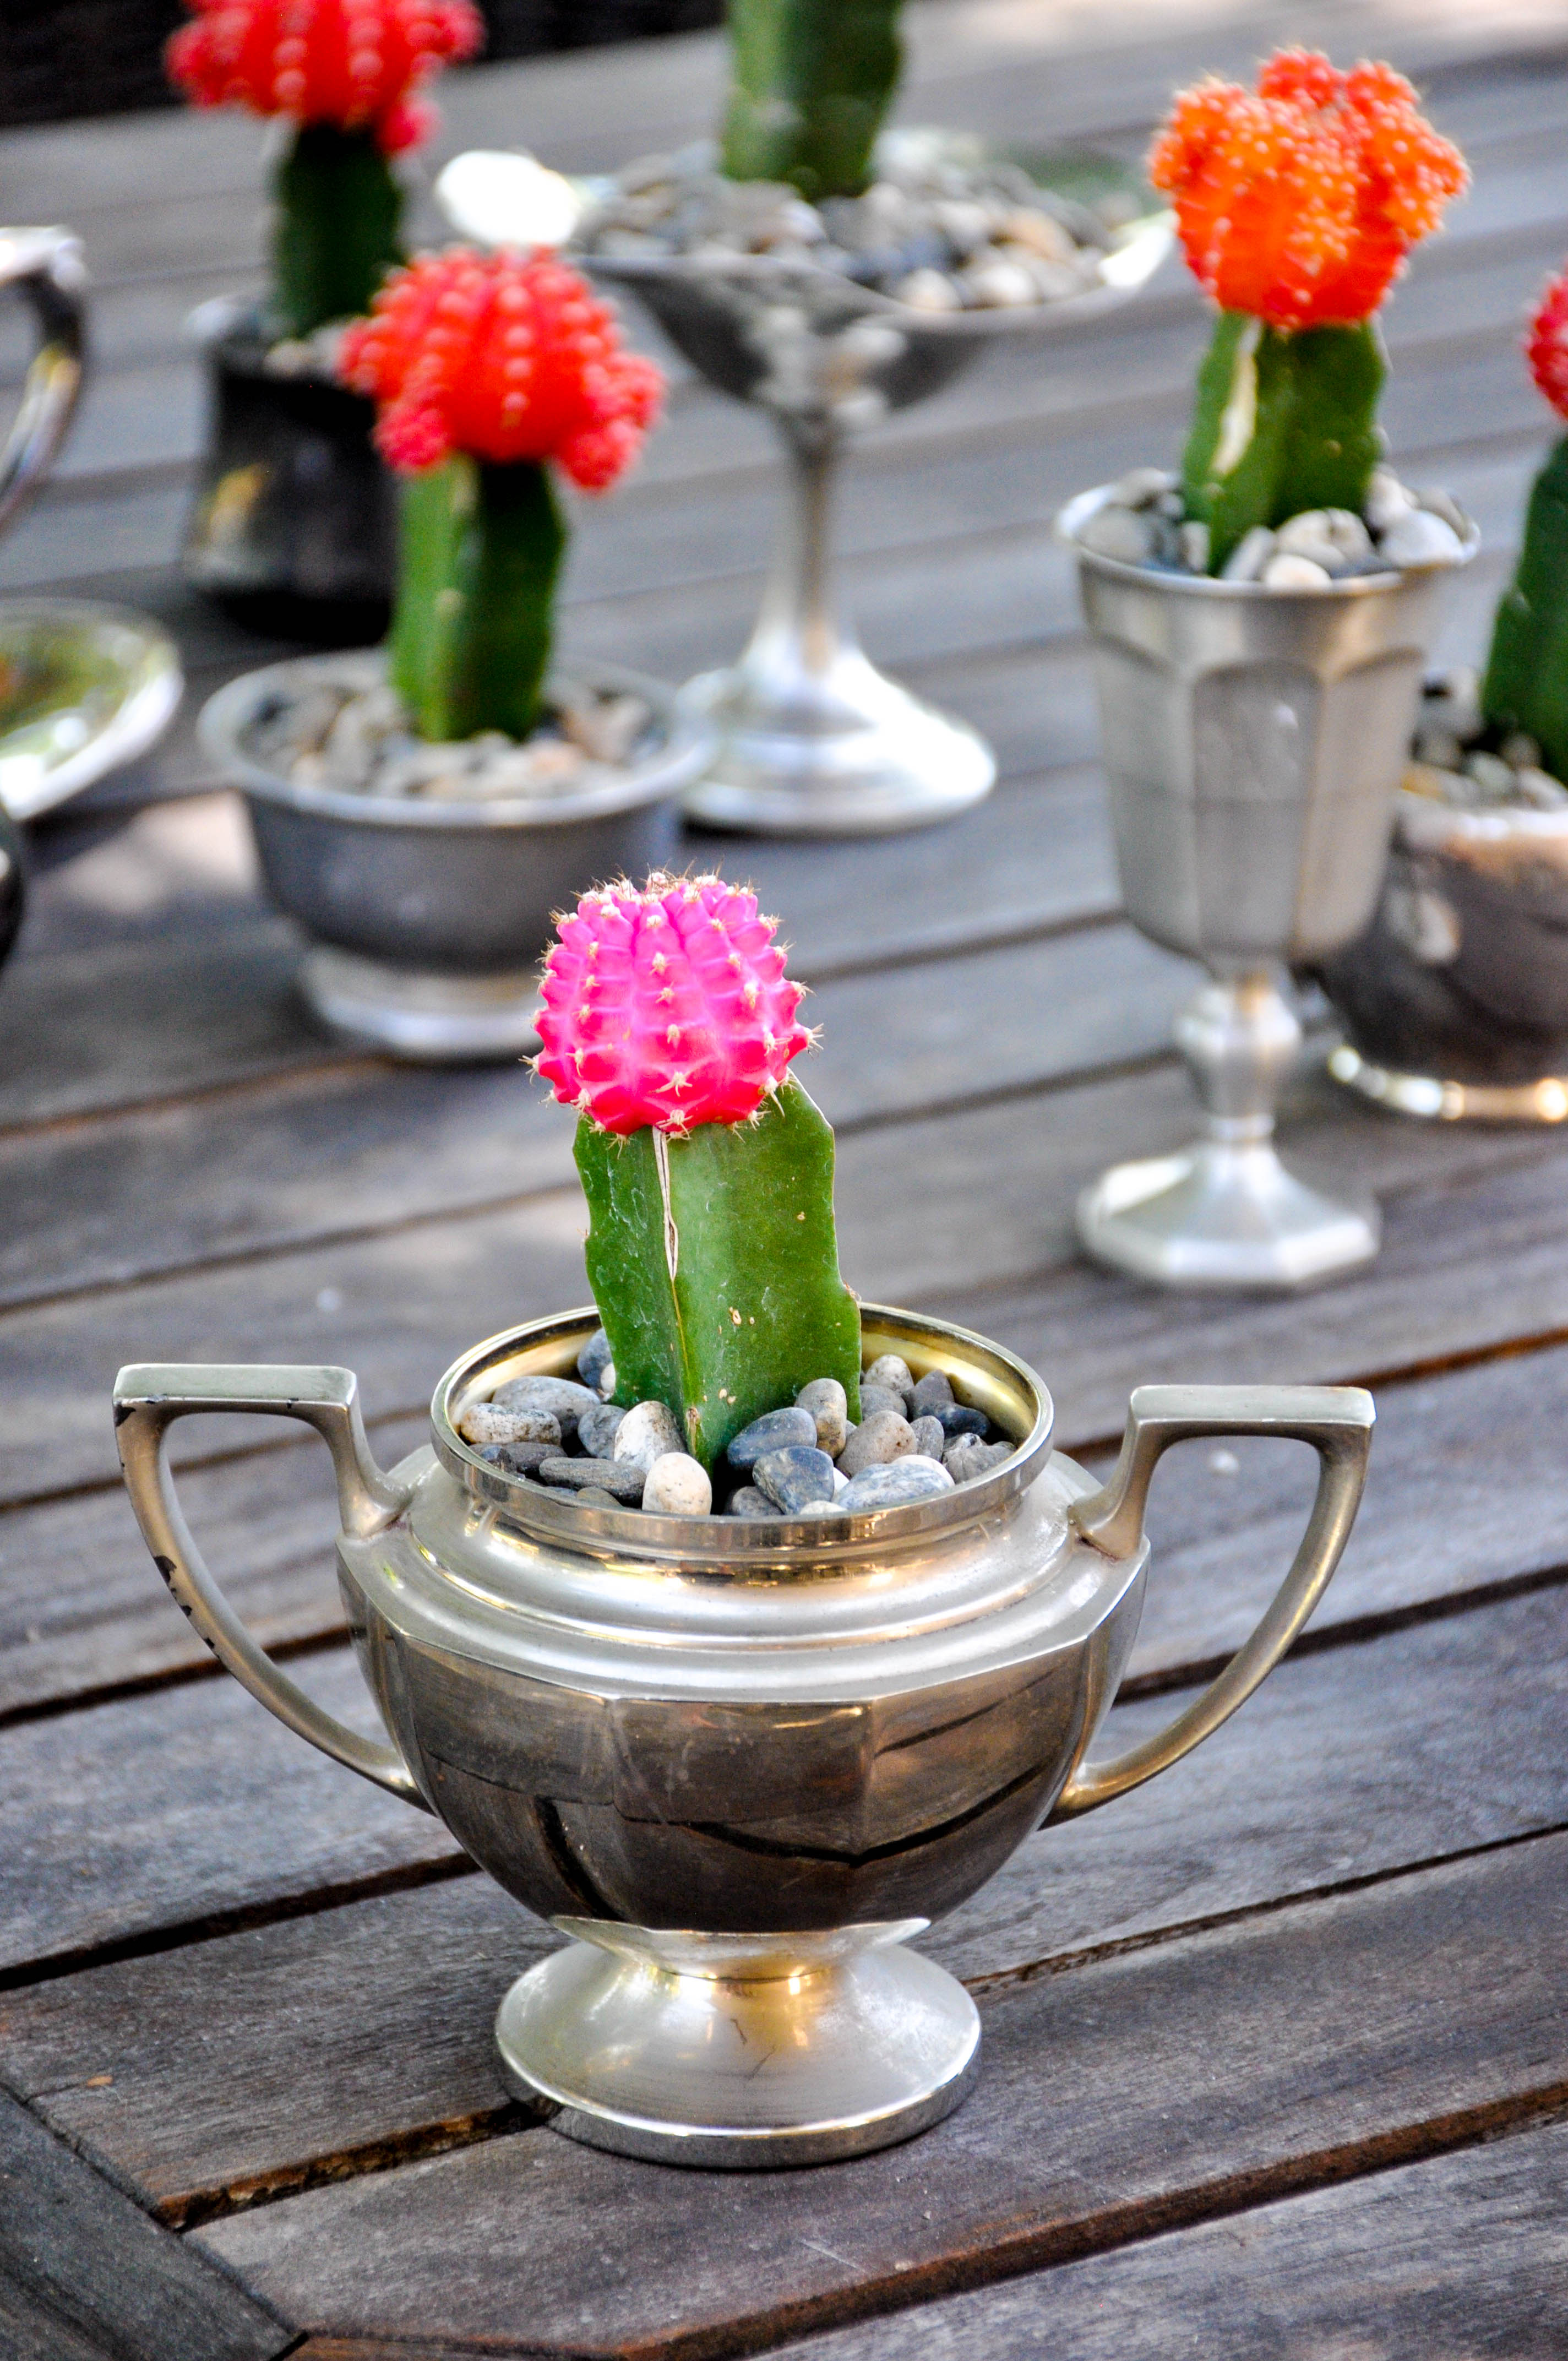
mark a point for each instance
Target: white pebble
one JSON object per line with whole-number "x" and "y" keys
{"x": 1386, "y": 499}
{"x": 646, "y": 1434}
{"x": 1539, "y": 789}
{"x": 1422, "y": 539}
{"x": 890, "y": 1371}
{"x": 825, "y": 1399}
{"x": 1194, "y": 539}
{"x": 485, "y": 1423}
{"x": 607, "y": 1382}
{"x": 677, "y": 1485}
{"x": 1126, "y": 534}
{"x": 1284, "y": 572}
{"x": 1250, "y": 555}
{"x": 930, "y": 291}
{"x": 1141, "y": 487}
{"x": 1000, "y": 286}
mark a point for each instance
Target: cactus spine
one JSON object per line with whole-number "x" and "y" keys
{"x": 337, "y": 211}
{"x": 811, "y": 82}
{"x": 481, "y": 547}
{"x": 1285, "y": 421}
{"x": 1526, "y": 686}
{"x": 714, "y": 1262}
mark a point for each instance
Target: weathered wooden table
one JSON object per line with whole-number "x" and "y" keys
{"x": 1277, "y": 2049}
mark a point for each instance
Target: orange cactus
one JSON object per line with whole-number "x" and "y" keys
{"x": 506, "y": 356}
{"x": 1298, "y": 204}
{"x": 352, "y": 63}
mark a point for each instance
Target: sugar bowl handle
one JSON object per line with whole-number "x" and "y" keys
{"x": 46, "y": 264}
{"x": 148, "y": 1399}
{"x": 1337, "y": 1422}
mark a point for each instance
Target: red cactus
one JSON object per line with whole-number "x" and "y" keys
{"x": 506, "y": 356}
{"x": 355, "y": 64}
{"x": 1547, "y": 347}
{"x": 1298, "y": 203}
{"x": 667, "y": 1007}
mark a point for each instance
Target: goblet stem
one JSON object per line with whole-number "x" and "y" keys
{"x": 1225, "y": 1213}
{"x": 798, "y": 643}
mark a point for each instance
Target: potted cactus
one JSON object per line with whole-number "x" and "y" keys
{"x": 1257, "y": 619}
{"x": 1455, "y": 999}
{"x": 293, "y": 522}
{"x": 420, "y": 809}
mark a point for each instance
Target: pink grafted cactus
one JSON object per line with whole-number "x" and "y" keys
{"x": 667, "y": 1007}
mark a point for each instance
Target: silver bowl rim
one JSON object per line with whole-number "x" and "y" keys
{"x": 1072, "y": 516}
{"x": 684, "y": 750}
{"x": 1426, "y": 825}
{"x": 741, "y": 1548}
{"x": 137, "y": 722}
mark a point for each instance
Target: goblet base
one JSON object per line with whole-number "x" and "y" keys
{"x": 786, "y": 765}
{"x": 1224, "y": 1215}
{"x": 1544, "y": 1100}
{"x": 425, "y": 1019}
{"x": 740, "y": 2052}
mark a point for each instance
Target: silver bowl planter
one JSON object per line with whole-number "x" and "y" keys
{"x": 739, "y": 1763}
{"x": 1253, "y": 740}
{"x": 811, "y": 739}
{"x": 1456, "y": 998}
{"x": 428, "y": 919}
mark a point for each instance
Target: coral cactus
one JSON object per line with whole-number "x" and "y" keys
{"x": 1526, "y": 686}
{"x": 487, "y": 369}
{"x": 1295, "y": 205}
{"x": 346, "y": 73}
{"x": 811, "y": 81}
{"x": 669, "y": 1023}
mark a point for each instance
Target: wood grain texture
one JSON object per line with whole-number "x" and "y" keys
{"x": 365, "y": 2031}
{"x": 1463, "y": 2255}
{"x": 1207, "y": 2074}
{"x": 84, "y": 2275}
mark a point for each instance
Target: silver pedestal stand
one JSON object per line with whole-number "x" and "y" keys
{"x": 812, "y": 740}
{"x": 1253, "y": 740}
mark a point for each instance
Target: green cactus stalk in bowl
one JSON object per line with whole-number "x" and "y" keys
{"x": 1526, "y": 686}
{"x": 811, "y": 82}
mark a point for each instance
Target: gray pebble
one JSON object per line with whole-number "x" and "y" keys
{"x": 646, "y": 1432}
{"x": 616, "y": 1477}
{"x": 957, "y": 1418}
{"x": 929, "y": 1438}
{"x": 966, "y": 1457}
{"x": 594, "y": 1359}
{"x": 935, "y": 1387}
{"x": 914, "y": 1478}
{"x": 749, "y": 1502}
{"x": 597, "y": 1428}
{"x": 485, "y": 1422}
{"x": 1250, "y": 555}
{"x": 875, "y": 1442}
{"x": 795, "y": 1477}
{"x": 516, "y": 1458}
{"x": 773, "y": 1432}
{"x": 880, "y": 1401}
{"x": 677, "y": 1485}
{"x": 564, "y": 1400}
{"x": 825, "y": 1399}
{"x": 594, "y": 1496}
{"x": 889, "y": 1370}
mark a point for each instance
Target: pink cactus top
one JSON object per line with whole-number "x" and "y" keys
{"x": 667, "y": 1007}
{"x": 355, "y": 64}
{"x": 1548, "y": 345}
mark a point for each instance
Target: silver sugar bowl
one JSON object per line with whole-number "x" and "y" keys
{"x": 740, "y": 1764}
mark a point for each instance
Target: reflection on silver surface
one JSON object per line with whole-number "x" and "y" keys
{"x": 86, "y": 688}
{"x": 1252, "y": 742}
{"x": 740, "y": 1762}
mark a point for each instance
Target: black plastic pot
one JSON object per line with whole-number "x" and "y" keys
{"x": 294, "y": 526}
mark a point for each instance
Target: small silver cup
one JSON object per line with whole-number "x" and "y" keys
{"x": 1252, "y": 742}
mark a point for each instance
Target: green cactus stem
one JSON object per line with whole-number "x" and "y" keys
{"x": 1283, "y": 421}
{"x": 480, "y": 550}
{"x": 1526, "y": 686}
{"x": 336, "y": 232}
{"x": 714, "y": 1262}
{"x": 810, "y": 84}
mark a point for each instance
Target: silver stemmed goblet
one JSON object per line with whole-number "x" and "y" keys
{"x": 1253, "y": 740}
{"x": 811, "y": 739}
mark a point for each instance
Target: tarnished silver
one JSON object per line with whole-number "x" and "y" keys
{"x": 811, "y": 738}
{"x": 429, "y": 919}
{"x": 1252, "y": 742}
{"x": 46, "y": 266}
{"x": 738, "y": 1762}
{"x": 1455, "y": 999}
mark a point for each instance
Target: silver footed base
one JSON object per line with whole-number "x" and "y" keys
{"x": 1542, "y": 1101}
{"x": 426, "y": 1018}
{"x": 1223, "y": 1216}
{"x": 740, "y": 2050}
{"x": 859, "y": 757}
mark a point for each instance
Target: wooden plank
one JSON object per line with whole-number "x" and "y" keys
{"x": 361, "y": 2035}
{"x": 84, "y": 2275}
{"x": 1464, "y": 2253}
{"x": 1107, "y": 2106}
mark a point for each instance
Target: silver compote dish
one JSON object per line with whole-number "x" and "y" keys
{"x": 740, "y": 1764}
